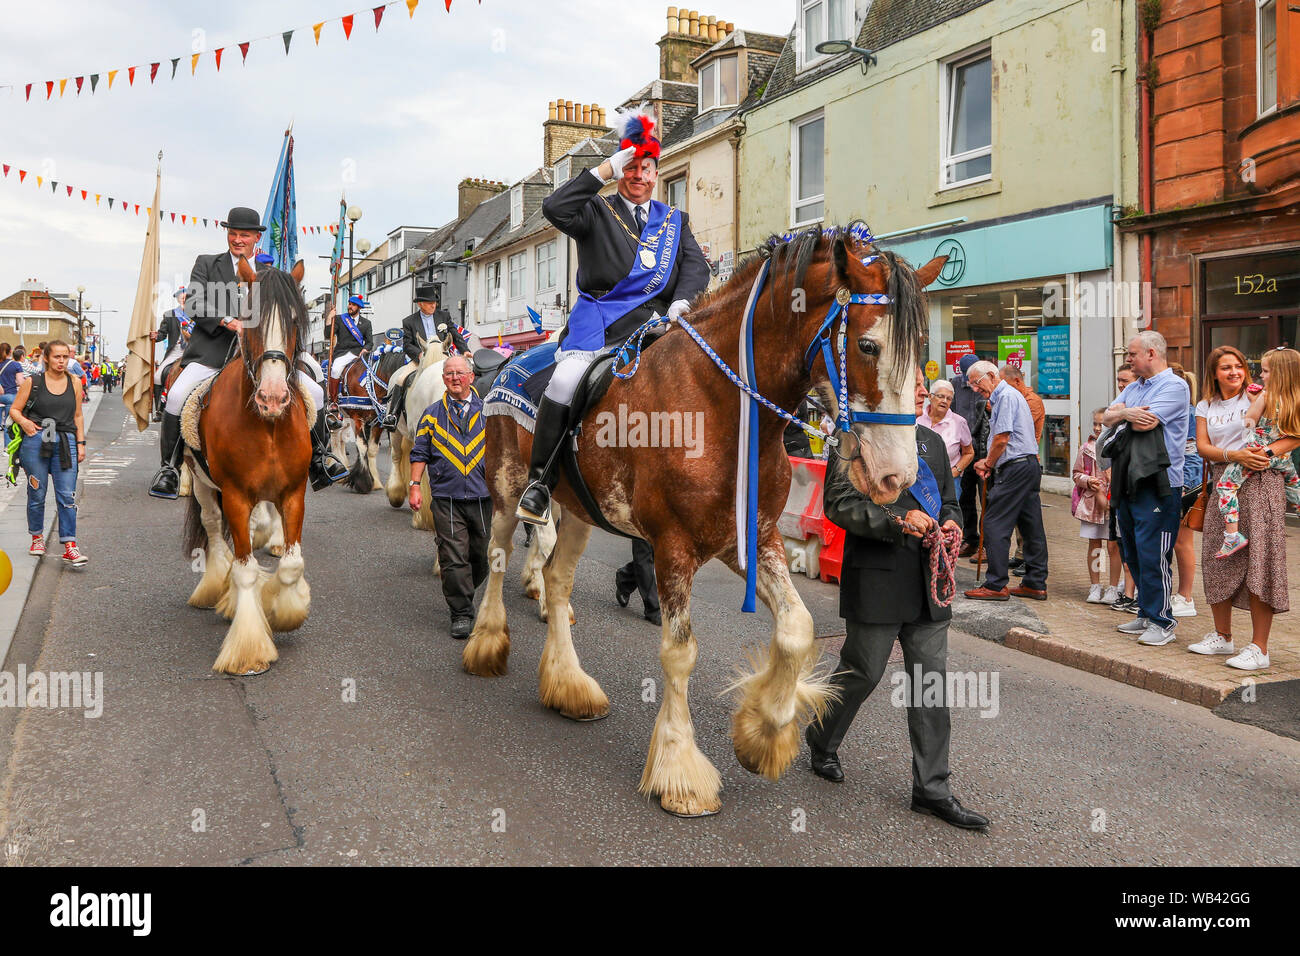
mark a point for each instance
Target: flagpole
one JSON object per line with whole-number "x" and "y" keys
{"x": 152, "y": 344}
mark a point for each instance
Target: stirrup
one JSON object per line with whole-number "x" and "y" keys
{"x": 333, "y": 420}
{"x": 529, "y": 517}
{"x": 388, "y": 422}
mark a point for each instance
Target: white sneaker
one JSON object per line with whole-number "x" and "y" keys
{"x": 1182, "y": 607}
{"x": 1136, "y": 626}
{"x": 1156, "y": 636}
{"x": 1110, "y": 595}
{"x": 1251, "y": 659}
{"x": 1213, "y": 643}
{"x": 1094, "y": 595}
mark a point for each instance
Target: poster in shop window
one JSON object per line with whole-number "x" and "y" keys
{"x": 1018, "y": 351}
{"x": 1054, "y": 361}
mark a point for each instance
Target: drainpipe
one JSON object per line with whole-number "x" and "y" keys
{"x": 735, "y": 194}
{"x": 1145, "y": 168}
{"x": 1117, "y": 141}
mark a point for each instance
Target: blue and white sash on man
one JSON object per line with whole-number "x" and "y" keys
{"x": 353, "y": 329}
{"x": 926, "y": 489}
{"x": 591, "y": 317}
{"x": 187, "y": 324}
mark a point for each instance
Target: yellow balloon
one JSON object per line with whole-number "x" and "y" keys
{"x": 6, "y": 572}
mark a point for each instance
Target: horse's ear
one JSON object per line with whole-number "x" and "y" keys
{"x": 840, "y": 253}
{"x": 297, "y": 271}
{"x": 930, "y": 271}
{"x": 246, "y": 273}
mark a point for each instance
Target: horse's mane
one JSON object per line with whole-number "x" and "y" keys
{"x": 390, "y": 362}
{"x": 278, "y": 290}
{"x": 433, "y": 353}
{"x": 791, "y": 257}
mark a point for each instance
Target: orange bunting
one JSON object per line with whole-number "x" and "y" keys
{"x": 411, "y": 5}
{"x": 62, "y": 86}
{"x": 347, "y": 27}
{"x": 316, "y": 30}
{"x": 112, "y": 75}
{"x": 194, "y": 62}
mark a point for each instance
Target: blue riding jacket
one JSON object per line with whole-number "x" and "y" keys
{"x": 451, "y": 446}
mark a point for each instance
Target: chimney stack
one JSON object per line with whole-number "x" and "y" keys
{"x": 474, "y": 191}
{"x": 689, "y": 34}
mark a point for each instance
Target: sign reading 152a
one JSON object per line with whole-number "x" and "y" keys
{"x": 1254, "y": 284}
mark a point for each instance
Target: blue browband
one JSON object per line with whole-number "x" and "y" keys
{"x": 839, "y": 379}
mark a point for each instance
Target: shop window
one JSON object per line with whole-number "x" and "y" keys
{"x": 967, "y": 143}
{"x": 1266, "y": 54}
{"x": 1055, "y": 449}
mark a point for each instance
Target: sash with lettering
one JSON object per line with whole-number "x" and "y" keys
{"x": 926, "y": 489}
{"x": 350, "y": 324}
{"x": 591, "y": 317}
{"x": 187, "y": 324}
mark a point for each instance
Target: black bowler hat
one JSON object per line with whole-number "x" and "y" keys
{"x": 426, "y": 293}
{"x": 241, "y": 217}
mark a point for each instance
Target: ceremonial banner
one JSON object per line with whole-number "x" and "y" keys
{"x": 281, "y": 217}
{"x": 137, "y": 390}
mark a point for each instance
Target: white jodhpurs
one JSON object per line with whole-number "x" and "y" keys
{"x": 340, "y": 364}
{"x": 569, "y": 369}
{"x": 171, "y": 356}
{"x": 194, "y": 375}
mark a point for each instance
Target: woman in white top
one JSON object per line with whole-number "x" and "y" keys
{"x": 953, "y": 429}
{"x": 1256, "y": 582}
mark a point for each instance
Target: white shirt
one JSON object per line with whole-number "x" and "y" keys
{"x": 427, "y": 321}
{"x": 1223, "y": 420}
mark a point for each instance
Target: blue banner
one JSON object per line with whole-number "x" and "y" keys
{"x": 281, "y": 217}
{"x": 1053, "y": 361}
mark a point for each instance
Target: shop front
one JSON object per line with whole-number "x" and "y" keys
{"x": 1250, "y": 299}
{"x": 1034, "y": 292}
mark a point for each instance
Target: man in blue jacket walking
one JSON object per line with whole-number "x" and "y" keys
{"x": 449, "y": 443}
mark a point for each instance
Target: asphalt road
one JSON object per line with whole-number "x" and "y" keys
{"x": 431, "y": 765}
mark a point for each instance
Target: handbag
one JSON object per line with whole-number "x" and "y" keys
{"x": 1194, "y": 519}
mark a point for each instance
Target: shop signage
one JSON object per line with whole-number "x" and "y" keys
{"x": 1017, "y": 351}
{"x": 1054, "y": 360}
{"x": 932, "y": 370}
{"x": 955, "y": 267}
{"x": 953, "y": 351}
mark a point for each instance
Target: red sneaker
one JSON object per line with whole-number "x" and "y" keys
{"x": 73, "y": 556}
{"x": 38, "y": 546}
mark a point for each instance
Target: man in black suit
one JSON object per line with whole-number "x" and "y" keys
{"x": 424, "y": 324}
{"x": 171, "y": 329}
{"x": 624, "y": 243}
{"x": 350, "y": 338}
{"x": 885, "y": 594}
{"x": 214, "y": 303}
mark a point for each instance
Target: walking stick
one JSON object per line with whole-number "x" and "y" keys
{"x": 979, "y": 553}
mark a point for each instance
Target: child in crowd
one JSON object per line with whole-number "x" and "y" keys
{"x": 1091, "y": 505}
{"x": 1274, "y": 414}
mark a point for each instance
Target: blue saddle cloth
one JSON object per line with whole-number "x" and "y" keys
{"x": 510, "y": 393}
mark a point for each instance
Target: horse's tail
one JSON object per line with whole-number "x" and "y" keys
{"x": 195, "y": 535}
{"x": 359, "y": 478}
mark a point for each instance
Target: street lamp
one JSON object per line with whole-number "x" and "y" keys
{"x": 353, "y": 214}
{"x": 836, "y": 47}
{"x": 81, "y": 290}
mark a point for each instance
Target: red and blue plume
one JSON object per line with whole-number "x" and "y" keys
{"x": 636, "y": 128}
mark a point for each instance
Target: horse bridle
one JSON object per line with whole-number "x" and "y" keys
{"x": 839, "y": 379}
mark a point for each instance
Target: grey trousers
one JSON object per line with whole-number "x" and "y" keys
{"x": 862, "y": 663}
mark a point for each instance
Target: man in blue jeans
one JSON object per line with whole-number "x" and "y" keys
{"x": 1148, "y": 523}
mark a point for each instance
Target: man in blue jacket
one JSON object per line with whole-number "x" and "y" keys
{"x": 449, "y": 443}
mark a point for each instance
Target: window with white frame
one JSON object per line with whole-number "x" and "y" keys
{"x": 494, "y": 287}
{"x": 546, "y": 266}
{"x": 808, "y": 169}
{"x": 967, "y": 112}
{"x": 819, "y": 21}
{"x": 720, "y": 83}
{"x": 1266, "y": 54}
{"x": 518, "y": 266}
{"x": 563, "y": 170}
{"x": 516, "y": 207}
{"x": 675, "y": 192}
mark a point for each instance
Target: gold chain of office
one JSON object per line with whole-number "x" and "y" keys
{"x": 639, "y": 241}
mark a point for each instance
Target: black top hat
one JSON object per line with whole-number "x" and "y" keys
{"x": 241, "y": 217}
{"x": 426, "y": 293}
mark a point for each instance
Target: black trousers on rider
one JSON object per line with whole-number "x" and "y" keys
{"x": 464, "y": 527}
{"x": 641, "y": 571}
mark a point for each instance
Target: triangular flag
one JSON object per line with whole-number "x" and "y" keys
{"x": 110, "y": 202}
{"x": 29, "y": 92}
{"x": 69, "y": 192}
{"x": 83, "y": 195}
{"x": 304, "y": 230}
{"x": 286, "y": 36}
{"x": 243, "y": 50}
{"x": 79, "y": 81}
{"x": 54, "y": 185}
{"x": 316, "y": 30}
{"x": 137, "y": 209}
{"x": 6, "y": 166}
{"x": 63, "y": 85}
{"x": 22, "y": 174}
{"x": 130, "y": 75}
{"x": 94, "y": 82}
{"x": 97, "y": 195}
{"x": 194, "y": 63}
{"x": 449, "y": 6}
{"x": 173, "y": 217}
{"x": 379, "y": 15}
{"x": 347, "y": 27}
{"x": 205, "y": 223}
{"x": 182, "y": 219}
{"x": 112, "y": 75}
{"x": 217, "y": 54}
{"x": 176, "y": 60}
{"x": 49, "y": 88}
{"x": 153, "y": 70}
{"x": 40, "y": 181}
{"x": 411, "y": 5}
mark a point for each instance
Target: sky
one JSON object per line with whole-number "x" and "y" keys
{"x": 396, "y": 118}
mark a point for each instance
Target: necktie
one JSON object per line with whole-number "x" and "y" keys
{"x": 640, "y": 220}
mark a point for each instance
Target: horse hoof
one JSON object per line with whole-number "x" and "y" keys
{"x": 277, "y": 550}
{"x": 255, "y": 671}
{"x": 689, "y": 808}
{"x": 585, "y": 718}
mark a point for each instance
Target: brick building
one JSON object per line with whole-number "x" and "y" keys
{"x": 33, "y": 315}
{"x": 1219, "y": 223}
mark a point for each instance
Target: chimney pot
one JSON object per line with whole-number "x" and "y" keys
{"x": 672, "y": 19}
{"x": 551, "y": 108}
{"x": 711, "y": 28}
{"x": 694, "y": 24}
{"x": 586, "y": 115}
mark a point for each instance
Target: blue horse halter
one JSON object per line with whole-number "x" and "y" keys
{"x": 839, "y": 379}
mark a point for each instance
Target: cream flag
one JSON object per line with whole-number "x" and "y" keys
{"x": 137, "y": 394}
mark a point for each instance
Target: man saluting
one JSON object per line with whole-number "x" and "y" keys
{"x": 636, "y": 257}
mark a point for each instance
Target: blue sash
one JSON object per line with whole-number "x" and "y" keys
{"x": 926, "y": 489}
{"x": 350, "y": 324}
{"x": 187, "y": 324}
{"x": 591, "y": 317}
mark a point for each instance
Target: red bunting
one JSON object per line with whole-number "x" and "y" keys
{"x": 379, "y": 15}
{"x": 449, "y": 6}
{"x": 83, "y": 195}
{"x": 22, "y": 174}
{"x": 219, "y": 49}
{"x": 49, "y": 88}
{"x": 137, "y": 209}
{"x": 173, "y": 217}
{"x": 29, "y": 92}
{"x": 182, "y": 219}
{"x": 347, "y": 27}
{"x": 6, "y": 166}
{"x": 130, "y": 76}
{"x": 153, "y": 70}
{"x": 69, "y": 192}
{"x": 243, "y": 50}
{"x": 79, "y": 80}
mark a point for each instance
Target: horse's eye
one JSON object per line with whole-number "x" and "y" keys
{"x": 868, "y": 347}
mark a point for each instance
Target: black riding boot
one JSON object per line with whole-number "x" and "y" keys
{"x": 396, "y": 400}
{"x": 325, "y": 466}
{"x": 167, "y": 482}
{"x": 535, "y": 502}
{"x": 157, "y": 403}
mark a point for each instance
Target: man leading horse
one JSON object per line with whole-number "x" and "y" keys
{"x": 215, "y": 304}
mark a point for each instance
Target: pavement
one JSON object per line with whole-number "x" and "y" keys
{"x": 426, "y": 764}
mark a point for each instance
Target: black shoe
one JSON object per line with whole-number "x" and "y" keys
{"x": 535, "y": 503}
{"x": 825, "y": 763}
{"x": 1018, "y": 569}
{"x": 654, "y": 617}
{"x": 325, "y": 466}
{"x": 950, "y": 810}
{"x": 461, "y": 627}
{"x": 622, "y": 592}
{"x": 167, "y": 482}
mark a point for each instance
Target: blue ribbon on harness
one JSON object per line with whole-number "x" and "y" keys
{"x": 591, "y": 317}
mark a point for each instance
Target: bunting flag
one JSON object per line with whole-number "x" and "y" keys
{"x": 285, "y": 36}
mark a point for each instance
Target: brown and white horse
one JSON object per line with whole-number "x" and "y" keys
{"x": 682, "y": 500}
{"x": 254, "y": 432}
{"x": 363, "y": 476}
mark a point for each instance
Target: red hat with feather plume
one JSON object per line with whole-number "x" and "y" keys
{"x": 636, "y": 128}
